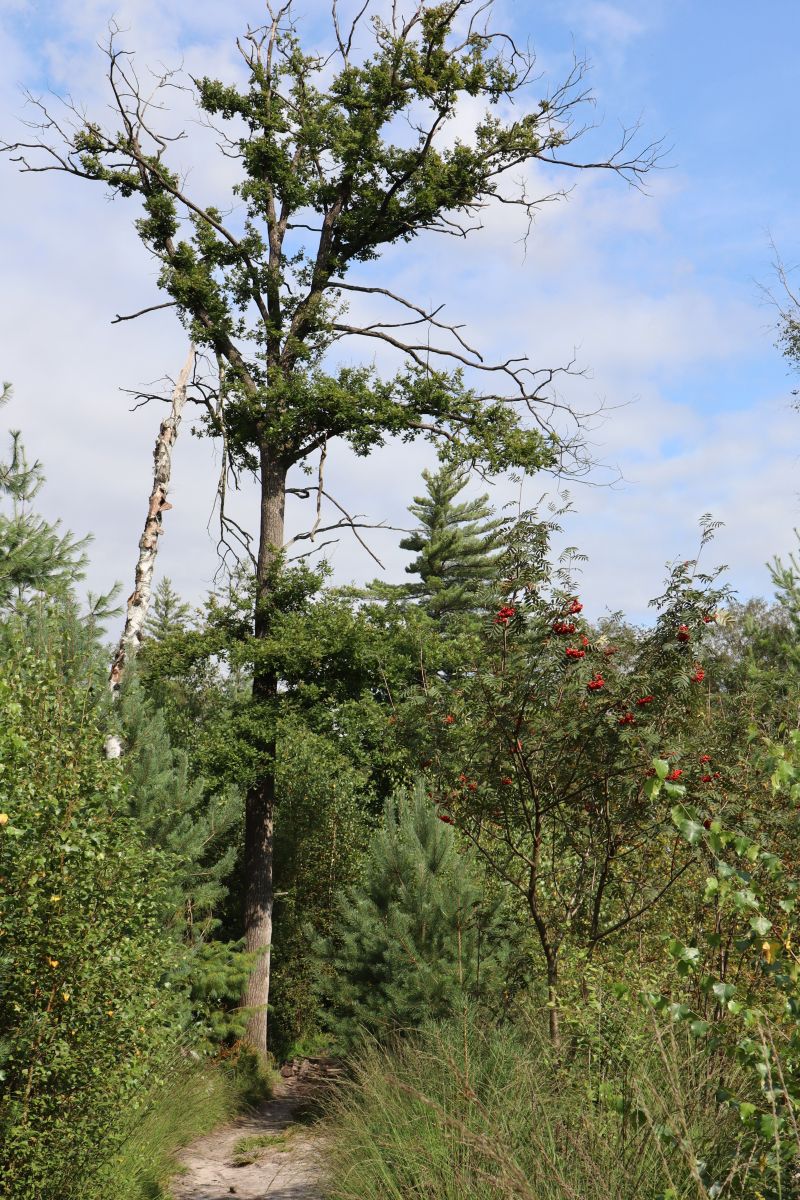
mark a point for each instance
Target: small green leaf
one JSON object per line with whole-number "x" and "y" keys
{"x": 688, "y": 823}
{"x": 675, "y": 791}
{"x": 769, "y": 1125}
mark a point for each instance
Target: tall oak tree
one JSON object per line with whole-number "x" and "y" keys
{"x": 337, "y": 156}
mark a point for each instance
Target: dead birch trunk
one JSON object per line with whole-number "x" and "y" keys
{"x": 139, "y": 599}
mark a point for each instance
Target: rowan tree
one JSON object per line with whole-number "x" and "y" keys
{"x": 339, "y": 155}
{"x": 541, "y": 750}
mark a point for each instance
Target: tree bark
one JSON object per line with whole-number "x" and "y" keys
{"x": 554, "y": 1024}
{"x": 258, "y": 844}
{"x": 139, "y": 599}
{"x": 260, "y": 800}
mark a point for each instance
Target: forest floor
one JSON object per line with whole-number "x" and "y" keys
{"x": 273, "y": 1153}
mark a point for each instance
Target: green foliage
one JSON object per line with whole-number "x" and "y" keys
{"x": 414, "y": 939}
{"x": 456, "y": 547}
{"x": 196, "y": 824}
{"x": 175, "y": 810}
{"x": 741, "y": 997}
{"x": 85, "y": 1001}
{"x": 35, "y": 557}
{"x": 321, "y": 837}
{"x": 471, "y": 1109}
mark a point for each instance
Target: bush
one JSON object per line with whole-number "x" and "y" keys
{"x": 86, "y": 1006}
{"x": 739, "y": 991}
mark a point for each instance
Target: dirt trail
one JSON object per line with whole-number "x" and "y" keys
{"x": 285, "y": 1160}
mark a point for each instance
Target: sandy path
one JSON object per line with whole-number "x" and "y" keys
{"x": 290, "y": 1170}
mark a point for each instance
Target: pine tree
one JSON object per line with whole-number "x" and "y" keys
{"x": 173, "y": 808}
{"x": 456, "y": 545}
{"x": 414, "y": 939}
{"x": 168, "y": 614}
{"x": 35, "y": 557}
{"x": 194, "y": 823}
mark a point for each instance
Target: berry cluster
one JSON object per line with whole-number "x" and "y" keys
{"x": 505, "y": 614}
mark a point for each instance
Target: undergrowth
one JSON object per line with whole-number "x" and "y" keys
{"x": 462, "y": 1111}
{"x": 190, "y": 1100}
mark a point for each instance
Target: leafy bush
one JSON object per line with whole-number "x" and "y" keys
{"x": 740, "y": 990}
{"x": 86, "y": 1006}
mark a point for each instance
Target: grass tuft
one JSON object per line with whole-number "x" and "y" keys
{"x": 469, "y": 1111}
{"x": 250, "y": 1149}
{"x": 190, "y": 1100}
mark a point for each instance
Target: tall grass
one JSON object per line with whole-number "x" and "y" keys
{"x": 190, "y": 1100}
{"x": 464, "y": 1112}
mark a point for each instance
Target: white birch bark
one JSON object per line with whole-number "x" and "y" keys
{"x": 139, "y": 599}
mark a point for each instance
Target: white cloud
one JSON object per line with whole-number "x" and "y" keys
{"x": 602, "y": 272}
{"x": 610, "y": 22}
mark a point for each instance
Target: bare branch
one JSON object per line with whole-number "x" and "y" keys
{"x": 429, "y": 317}
{"x": 353, "y": 522}
{"x": 142, "y": 311}
{"x": 346, "y": 47}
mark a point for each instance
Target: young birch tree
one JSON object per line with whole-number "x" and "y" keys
{"x": 339, "y": 156}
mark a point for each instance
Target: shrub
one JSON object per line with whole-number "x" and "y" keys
{"x": 739, "y": 995}
{"x": 86, "y": 1006}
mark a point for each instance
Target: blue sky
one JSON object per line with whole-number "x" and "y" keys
{"x": 659, "y": 294}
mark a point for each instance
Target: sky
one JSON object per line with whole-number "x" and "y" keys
{"x": 659, "y": 295}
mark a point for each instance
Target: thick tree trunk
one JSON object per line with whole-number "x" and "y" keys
{"x": 258, "y": 841}
{"x": 260, "y": 801}
{"x": 139, "y": 599}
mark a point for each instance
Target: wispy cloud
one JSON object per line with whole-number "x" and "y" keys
{"x": 702, "y": 422}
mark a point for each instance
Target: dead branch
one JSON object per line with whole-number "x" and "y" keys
{"x": 142, "y": 311}
{"x": 158, "y": 504}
